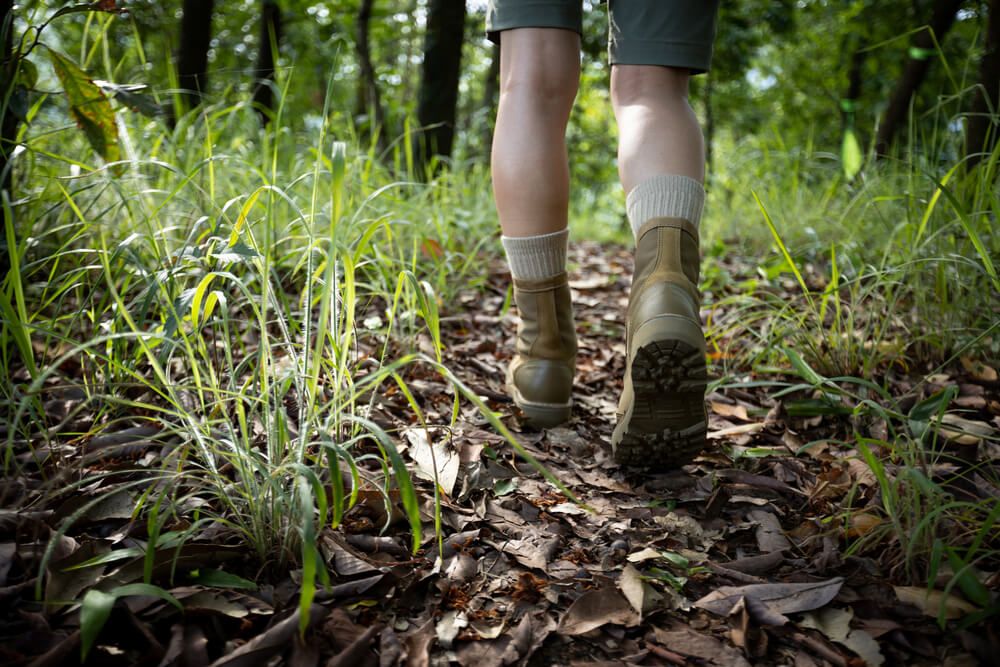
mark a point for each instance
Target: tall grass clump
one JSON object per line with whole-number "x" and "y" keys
{"x": 896, "y": 266}
{"x": 244, "y": 299}
{"x": 862, "y": 288}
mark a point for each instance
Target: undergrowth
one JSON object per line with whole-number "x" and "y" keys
{"x": 249, "y": 297}
{"x": 890, "y": 278}
{"x": 243, "y": 298}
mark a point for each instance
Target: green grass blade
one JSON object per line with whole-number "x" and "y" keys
{"x": 784, "y": 249}
{"x": 94, "y": 612}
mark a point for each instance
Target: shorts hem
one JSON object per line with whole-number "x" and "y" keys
{"x": 539, "y": 15}
{"x": 693, "y": 56}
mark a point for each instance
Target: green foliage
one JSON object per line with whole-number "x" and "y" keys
{"x": 89, "y": 107}
{"x": 97, "y": 605}
{"x": 253, "y": 294}
{"x": 231, "y": 296}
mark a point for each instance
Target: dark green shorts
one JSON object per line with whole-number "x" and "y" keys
{"x": 673, "y": 33}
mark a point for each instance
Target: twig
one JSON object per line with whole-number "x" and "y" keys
{"x": 669, "y": 656}
{"x": 735, "y": 575}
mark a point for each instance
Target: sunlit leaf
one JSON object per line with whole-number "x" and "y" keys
{"x": 851, "y": 156}
{"x": 89, "y": 106}
{"x": 94, "y": 613}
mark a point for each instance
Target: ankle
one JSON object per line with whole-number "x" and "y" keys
{"x": 665, "y": 196}
{"x": 536, "y": 257}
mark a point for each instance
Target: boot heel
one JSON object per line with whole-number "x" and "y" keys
{"x": 544, "y": 416}
{"x": 661, "y": 413}
{"x": 540, "y": 377}
{"x": 665, "y": 424}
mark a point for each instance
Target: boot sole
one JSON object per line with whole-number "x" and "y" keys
{"x": 541, "y": 415}
{"x": 665, "y": 427}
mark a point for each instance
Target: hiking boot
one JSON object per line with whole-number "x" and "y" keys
{"x": 661, "y": 414}
{"x": 540, "y": 377}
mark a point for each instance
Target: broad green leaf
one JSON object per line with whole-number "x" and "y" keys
{"x": 27, "y": 73}
{"x": 921, "y": 413}
{"x": 199, "y": 294}
{"x": 309, "y": 553}
{"x": 504, "y": 487}
{"x": 675, "y": 559}
{"x": 850, "y": 154}
{"x": 238, "y": 252}
{"x": 234, "y": 236}
{"x": 968, "y": 582}
{"x": 804, "y": 370}
{"x": 336, "y": 484}
{"x": 94, "y": 614}
{"x": 214, "y": 298}
{"x": 89, "y": 107}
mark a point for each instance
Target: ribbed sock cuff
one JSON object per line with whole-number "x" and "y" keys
{"x": 536, "y": 257}
{"x": 665, "y": 196}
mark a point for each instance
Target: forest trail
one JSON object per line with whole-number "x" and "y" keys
{"x": 739, "y": 558}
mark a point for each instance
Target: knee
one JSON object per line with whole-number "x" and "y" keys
{"x": 550, "y": 87}
{"x": 647, "y": 84}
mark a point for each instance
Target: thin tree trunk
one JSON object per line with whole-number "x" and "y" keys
{"x": 981, "y": 127}
{"x": 270, "y": 39}
{"x": 914, "y": 72}
{"x": 440, "y": 72}
{"x": 855, "y": 80}
{"x": 192, "y": 58}
{"x": 369, "y": 99}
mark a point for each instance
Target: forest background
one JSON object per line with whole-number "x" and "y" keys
{"x": 253, "y": 308}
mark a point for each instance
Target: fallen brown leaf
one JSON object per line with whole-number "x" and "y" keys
{"x": 596, "y": 608}
{"x": 689, "y": 642}
{"x": 779, "y": 598}
{"x": 933, "y": 602}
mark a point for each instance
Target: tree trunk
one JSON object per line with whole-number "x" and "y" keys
{"x": 915, "y": 71}
{"x": 438, "y": 97}
{"x": 981, "y": 126}
{"x": 8, "y": 120}
{"x": 369, "y": 100}
{"x": 192, "y": 58}
{"x": 855, "y": 80}
{"x": 270, "y": 39}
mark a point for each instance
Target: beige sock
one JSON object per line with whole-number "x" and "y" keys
{"x": 665, "y": 196}
{"x": 536, "y": 257}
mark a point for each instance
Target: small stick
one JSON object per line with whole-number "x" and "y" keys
{"x": 669, "y": 656}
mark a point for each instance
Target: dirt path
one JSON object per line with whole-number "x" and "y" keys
{"x": 740, "y": 558}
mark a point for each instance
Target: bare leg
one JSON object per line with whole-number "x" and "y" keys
{"x": 658, "y": 131}
{"x": 539, "y": 76}
{"x": 661, "y": 413}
